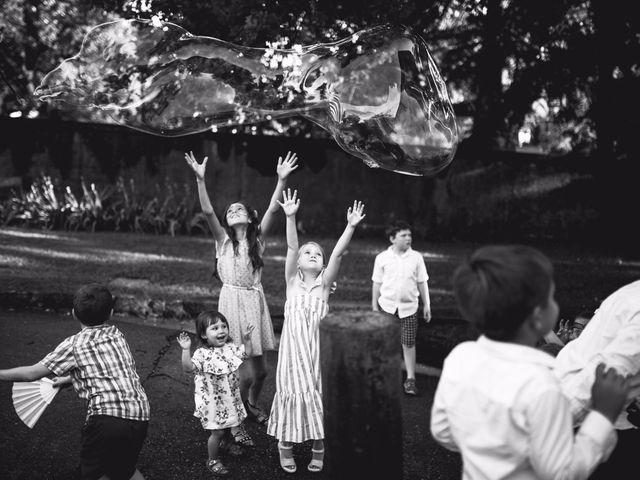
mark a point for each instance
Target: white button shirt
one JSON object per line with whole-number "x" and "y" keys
{"x": 399, "y": 276}
{"x": 612, "y": 337}
{"x": 501, "y": 407}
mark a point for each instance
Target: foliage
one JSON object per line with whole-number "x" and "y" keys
{"x": 116, "y": 208}
{"x": 35, "y": 36}
{"x": 498, "y": 57}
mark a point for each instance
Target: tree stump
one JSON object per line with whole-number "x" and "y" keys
{"x": 362, "y": 383}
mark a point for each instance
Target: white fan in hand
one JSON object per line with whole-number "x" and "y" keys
{"x": 31, "y": 398}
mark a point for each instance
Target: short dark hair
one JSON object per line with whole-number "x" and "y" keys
{"x": 206, "y": 318}
{"x": 395, "y": 227}
{"x": 498, "y": 287}
{"x": 92, "y": 304}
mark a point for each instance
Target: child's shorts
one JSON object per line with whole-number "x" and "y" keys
{"x": 110, "y": 446}
{"x": 408, "y": 329}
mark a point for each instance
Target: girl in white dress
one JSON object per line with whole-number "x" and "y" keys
{"x": 217, "y": 385}
{"x": 296, "y": 413}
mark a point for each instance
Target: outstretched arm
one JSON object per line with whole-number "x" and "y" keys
{"x": 207, "y": 209}
{"x": 25, "y": 374}
{"x": 284, "y": 168}
{"x": 185, "y": 344}
{"x": 246, "y": 341}
{"x": 290, "y": 205}
{"x": 355, "y": 215}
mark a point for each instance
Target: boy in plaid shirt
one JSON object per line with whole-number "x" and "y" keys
{"x": 98, "y": 363}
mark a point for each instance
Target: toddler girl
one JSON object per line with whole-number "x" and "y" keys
{"x": 296, "y": 412}
{"x": 217, "y": 386}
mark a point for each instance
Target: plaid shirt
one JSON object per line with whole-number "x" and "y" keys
{"x": 102, "y": 371}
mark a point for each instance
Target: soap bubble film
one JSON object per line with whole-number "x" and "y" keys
{"x": 378, "y": 92}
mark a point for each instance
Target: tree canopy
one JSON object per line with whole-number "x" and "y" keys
{"x": 578, "y": 59}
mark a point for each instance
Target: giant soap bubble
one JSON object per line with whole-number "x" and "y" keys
{"x": 378, "y": 92}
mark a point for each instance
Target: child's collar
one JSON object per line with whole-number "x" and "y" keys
{"x": 316, "y": 283}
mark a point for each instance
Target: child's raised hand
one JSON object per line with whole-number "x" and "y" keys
{"x": 286, "y": 166}
{"x": 247, "y": 334}
{"x": 198, "y": 168}
{"x": 184, "y": 340}
{"x": 563, "y": 331}
{"x": 355, "y": 214}
{"x": 290, "y": 203}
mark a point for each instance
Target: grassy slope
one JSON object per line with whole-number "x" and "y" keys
{"x": 165, "y": 268}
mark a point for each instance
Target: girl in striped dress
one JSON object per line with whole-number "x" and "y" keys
{"x": 296, "y": 413}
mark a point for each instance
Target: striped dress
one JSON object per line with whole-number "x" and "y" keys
{"x": 296, "y": 412}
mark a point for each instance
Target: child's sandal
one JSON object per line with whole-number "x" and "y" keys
{"x": 317, "y": 460}
{"x": 241, "y": 437}
{"x": 255, "y": 413}
{"x": 217, "y": 468}
{"x": 288, "y": 464}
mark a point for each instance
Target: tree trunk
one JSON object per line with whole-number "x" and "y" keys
{"x": 361, "y": 379}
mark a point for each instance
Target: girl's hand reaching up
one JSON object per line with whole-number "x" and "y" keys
{"x": 184, "y": 340}
{"x": 198, "y": 168}
{"x": 355, "y": 214}
{"x": 290, "y": 203}
{"x": 286, "y": 166}
{"x": 246, "y": 336}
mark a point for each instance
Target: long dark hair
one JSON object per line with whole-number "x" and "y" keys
{"x": 254, "y": 237}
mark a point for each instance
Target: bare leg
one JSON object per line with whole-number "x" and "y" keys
{"x": 213, "y": 444}
{"x": 258, "y": 375}
{"x": 409, "y": 354}
{"x": 246, "y": 378}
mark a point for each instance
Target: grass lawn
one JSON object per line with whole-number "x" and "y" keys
{"x": 163, "y": 269}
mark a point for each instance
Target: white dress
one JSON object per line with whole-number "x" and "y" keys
{"x": 242, "y": 299}
{"x": 217, "y": 386}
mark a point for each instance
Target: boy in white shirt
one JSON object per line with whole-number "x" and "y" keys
{"x": 612, "y": 337}
{"x": 498, "y": 402}
{"x": 399, "y": 275}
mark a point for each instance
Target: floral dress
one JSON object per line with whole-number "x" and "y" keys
{"x": 242, "y": 299}
{"x": 296, "y": 412}
{"x": 217, "y": 386}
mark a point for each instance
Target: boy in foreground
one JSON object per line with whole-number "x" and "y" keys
{"x": 498, "y": 402}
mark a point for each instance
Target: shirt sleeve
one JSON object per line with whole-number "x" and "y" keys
{"x": 556, "y": 452}
{"x": 440, "y": 427}
{"x": 421, "y": 274}
{"x": 377, "y": 270}
{"x": 198, "y": 359}
{"x": 61, "y": 361}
